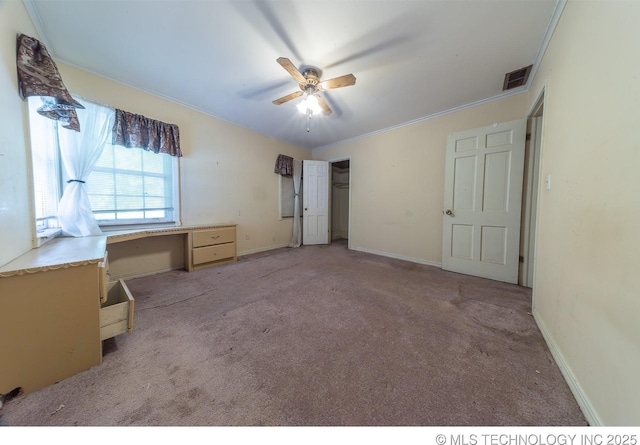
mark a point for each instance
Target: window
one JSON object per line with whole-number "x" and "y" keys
{"x": 131, "y": 186}
{"x": 286, "y": 196}
{"x": 128, "y": 186}
{"x": 45, "y": 160}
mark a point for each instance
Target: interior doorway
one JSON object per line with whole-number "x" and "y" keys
{"x": 530, "y": 191}
{"x": 340, "y": 200}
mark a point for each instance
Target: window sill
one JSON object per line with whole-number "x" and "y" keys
{"x": 46, "y": 235}
{"x": 106, "y": 228}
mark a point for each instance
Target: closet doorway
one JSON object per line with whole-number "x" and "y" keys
{"x": 340, "y": 200}
{"x": 532, "y": 178}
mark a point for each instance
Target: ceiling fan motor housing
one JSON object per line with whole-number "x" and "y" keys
{"x": 312, "y": 80}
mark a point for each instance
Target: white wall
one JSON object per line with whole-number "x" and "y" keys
{"x": 397, "y": 181}
{"x": 15, "y": 211}
{"x": 586, "y": 291}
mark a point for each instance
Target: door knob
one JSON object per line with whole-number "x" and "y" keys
{"x": 448, "y": 213}
{"x": 305, "y": 209}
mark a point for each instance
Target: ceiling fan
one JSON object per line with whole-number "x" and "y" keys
{"x": 310, "y": 85}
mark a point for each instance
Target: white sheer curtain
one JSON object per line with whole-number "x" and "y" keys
{"x": 296, "y": 238}
{"x": 80, "y": 151}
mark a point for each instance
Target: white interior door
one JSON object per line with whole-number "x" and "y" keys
{"x": 482, "y": 202}
{"x": 315, "y": 202}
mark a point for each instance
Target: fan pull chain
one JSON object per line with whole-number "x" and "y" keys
{"x": 309, "y": 114}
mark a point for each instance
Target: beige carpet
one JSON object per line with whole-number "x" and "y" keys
{"x": 318, "y": 335}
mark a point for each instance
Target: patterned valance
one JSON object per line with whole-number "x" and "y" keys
{"x": 284, "y": 165}
{"x": 38, "y": 75}
{"x": 136, "y": 131}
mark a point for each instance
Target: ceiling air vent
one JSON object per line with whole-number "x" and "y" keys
{"x": 516, "y": 78}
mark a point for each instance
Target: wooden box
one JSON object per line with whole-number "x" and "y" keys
{"x": 116, "y": 313}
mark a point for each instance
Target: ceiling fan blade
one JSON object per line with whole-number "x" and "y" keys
{"x": 291, "y": 69}
{"x": 287, "y": 98}
{"x": 325, "y": 108}
{"x": 338, "y": 82}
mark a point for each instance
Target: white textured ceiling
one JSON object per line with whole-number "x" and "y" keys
{"x": 412, "y": 59}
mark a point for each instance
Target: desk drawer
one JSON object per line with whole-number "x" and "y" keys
{"x": 214, "y": 253}
{"x": 116, "y": 314}
{"x": 214, "y": 236}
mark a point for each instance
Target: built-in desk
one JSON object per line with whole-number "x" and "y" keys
{"x": 200, "y": 246}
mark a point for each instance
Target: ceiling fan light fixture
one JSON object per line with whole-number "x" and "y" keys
{"x": 309, "y": 105}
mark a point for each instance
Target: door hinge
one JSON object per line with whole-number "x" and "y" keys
{"x": 521, "y": 259}
{"x": 528, "y": 137}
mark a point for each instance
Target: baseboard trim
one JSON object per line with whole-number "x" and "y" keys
{"x": 359, "y": 249}
{"x": 398, "y": 257}
{"x": 262, "y": 249}
{"x": 143, "y": 274}
{"x": 583, "y": 401}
